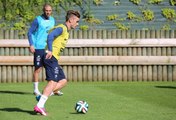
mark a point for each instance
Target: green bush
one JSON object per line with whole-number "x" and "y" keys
{"x": 84, "y": 27}
{"x": 148, "y": 15}
{"x": 18, "y": 14}
{"x": 169, "y": 13}
{"x": 111, "y": 17}
{"x": 155, "y": 1}
{"x": 97, "y": 2}
{"x": 116, "y": 2}
{"x": 130, "y": 15}
{"x": 121, "y": 26}
{"x": 135, "y": 1}
{"x": 166, "y": 27}
{"x": 173, "y": 2}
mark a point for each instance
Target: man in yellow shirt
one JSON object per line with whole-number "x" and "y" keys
{"x": 56, "y": 42}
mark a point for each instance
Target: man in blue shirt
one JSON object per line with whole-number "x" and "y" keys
{"x": 37, "y": 37}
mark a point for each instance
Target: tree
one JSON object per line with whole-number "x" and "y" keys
{"x": 18, "y": 14}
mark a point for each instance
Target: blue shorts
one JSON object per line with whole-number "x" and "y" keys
{"x": 53, "y": 70}
{"x": 38, "y": 57}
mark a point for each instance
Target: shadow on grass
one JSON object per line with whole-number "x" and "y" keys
{"x": 17, "y": 110}
{"x": 167, "y": 87}
{"x": 14, "y": 92}
{"x": 77, "y": 113}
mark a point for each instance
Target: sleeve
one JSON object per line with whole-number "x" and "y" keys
{"x": 52, "y": 35}
{"x": 31, "y": 30}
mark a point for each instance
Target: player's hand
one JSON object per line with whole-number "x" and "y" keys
{"x": 49, "y": 55}
{"x": 32, "y": 49}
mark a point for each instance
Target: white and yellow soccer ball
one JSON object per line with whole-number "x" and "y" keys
{"x": 81, "y": 107}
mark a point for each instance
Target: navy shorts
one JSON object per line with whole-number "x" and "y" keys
{"x": 38, "y": 57}
{"x": 53, "y": 70}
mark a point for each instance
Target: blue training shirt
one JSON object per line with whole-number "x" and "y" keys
{"x": 38, "y": 32}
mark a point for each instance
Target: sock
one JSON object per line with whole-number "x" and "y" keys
{"x": 36, "y": 86}
{"x": 52, "y": 93}
{"x": 42, "y": 101}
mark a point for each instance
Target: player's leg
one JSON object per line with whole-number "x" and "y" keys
{"x": 56, "y": 91}
{"x": 62, "y": 83}
{"x": 40, "y": 107}
{"x": 38, "y": 64}
{"x": 36, "y": 80}
{"x": 52, "y": 75}
{"x": 49, "y": 88}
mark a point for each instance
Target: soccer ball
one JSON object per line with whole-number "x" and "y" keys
{"x": 81, "y": 106}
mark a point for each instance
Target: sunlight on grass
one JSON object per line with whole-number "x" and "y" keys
{"x": 107, "y": 101}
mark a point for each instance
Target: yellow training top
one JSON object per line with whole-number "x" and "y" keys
{"x": 60, "y": 41}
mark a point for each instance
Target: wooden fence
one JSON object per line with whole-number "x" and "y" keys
{"x": 23, "y": 73}
{"x": 96, "y": 60}
{"x": 99, "y": 47}
{"x": 101, "y": 34}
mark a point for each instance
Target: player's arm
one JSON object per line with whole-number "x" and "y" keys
{"x": 51, "y": 36}
{"x": 31, "y": 30}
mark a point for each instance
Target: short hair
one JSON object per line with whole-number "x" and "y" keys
{"x": 71, "y": 13}
{"x": 46, "y": 5}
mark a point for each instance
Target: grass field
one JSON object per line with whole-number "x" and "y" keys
{"x": 107, "y": 101}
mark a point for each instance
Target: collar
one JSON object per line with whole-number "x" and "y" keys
{"x": 66, "y": 26}
{"x": 45, "y": 17}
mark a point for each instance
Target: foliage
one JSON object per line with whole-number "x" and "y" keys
{"x": 130, "y": 15}
{"x": 88, "y": 16}
{"x": 78, "y": 2}
{"x": 97, "y": 2}
{"x": 93, "y": 21}
{"x": 21, "y": 12}
{"x": 87, "y": 12}
{"x": 116, "y": 2}
{"x": 173, "y": 2}
{"x": 135, "y": 1}
{"x": 134, "y": 17}
{"x": 155, "y": 1}
{"x": 166, "y": 27}
{"x": 84, "y": 27}
{"x": 121, "y": 26}
{"x": 148, "y": 15}
{"x": 111, "y": 17}
{"x": 169, "y": 13}
{"x": 68, "y": 4}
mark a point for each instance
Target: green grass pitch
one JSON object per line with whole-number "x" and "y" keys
{"x": 107, "y": 101}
